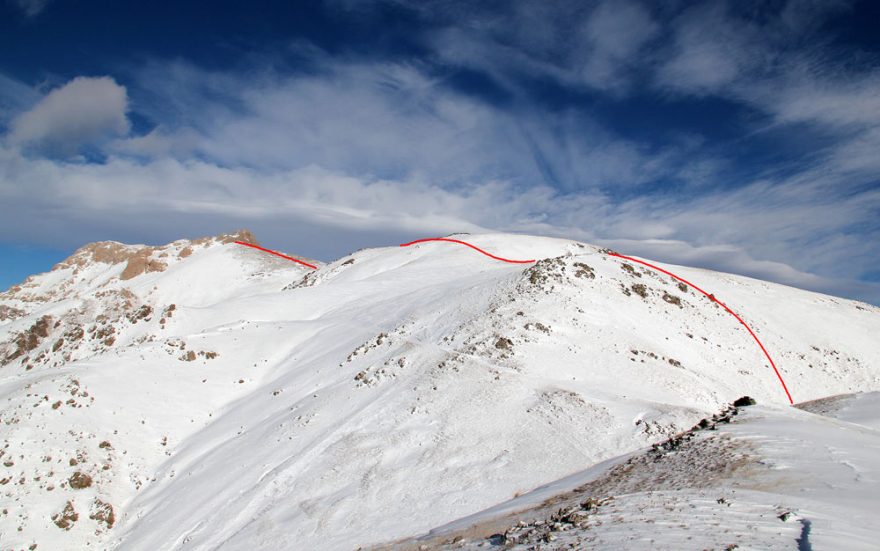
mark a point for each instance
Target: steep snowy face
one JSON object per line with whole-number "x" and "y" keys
{"x": 279, "y": 406}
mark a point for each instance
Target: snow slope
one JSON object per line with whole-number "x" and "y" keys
{"x": 766, "y": 477}
{"x": 382, "y": 395}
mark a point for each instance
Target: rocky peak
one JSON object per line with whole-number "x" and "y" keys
{"x": 141, "y": 259}
{"x": 85, "y": 265}
{"x": 96, "y": 279}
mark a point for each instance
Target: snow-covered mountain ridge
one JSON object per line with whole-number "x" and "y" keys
{"x": 204, "y": 394}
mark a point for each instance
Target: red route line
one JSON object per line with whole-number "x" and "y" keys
{"x": 490, "y": 255}
{"x": 729, "y": 311}
{"x": 642, "y": 262}
{"x": 259, "y": 248}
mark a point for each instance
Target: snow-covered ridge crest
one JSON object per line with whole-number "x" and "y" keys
{"x": 239, "y": 400}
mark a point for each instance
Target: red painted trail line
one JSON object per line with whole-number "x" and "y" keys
{"x": 729, "y": 311}
{"x": 490, "y": 255}
{"x": 259, "y": 248}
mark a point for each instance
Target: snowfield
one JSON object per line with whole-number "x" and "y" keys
{"x": 206, "y": 395}
{"x": 761, "y": 477}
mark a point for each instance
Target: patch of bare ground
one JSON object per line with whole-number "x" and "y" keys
{"x": 825, "y": 406}
{"x": 142, "y": 263}
{"x": 242, "y": 235}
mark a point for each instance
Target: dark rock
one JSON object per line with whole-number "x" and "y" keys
{"x": 744, "y": 401}
{"x": 497, "y": 539}
{"x": 503, "y": 343}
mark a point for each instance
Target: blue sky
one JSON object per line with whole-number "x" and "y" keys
{"x": 739, "y": 136}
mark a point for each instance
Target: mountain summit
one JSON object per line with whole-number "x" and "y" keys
{"x": 205, "y": 394}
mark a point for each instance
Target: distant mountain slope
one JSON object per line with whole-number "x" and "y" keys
{"x": 377, "y": 397}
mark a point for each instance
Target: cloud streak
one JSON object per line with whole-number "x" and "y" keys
{"x": 309, "y": 209}
{"x": 31, "y": 8}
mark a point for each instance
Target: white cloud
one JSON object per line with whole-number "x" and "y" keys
{"x": 31, "y": 7}
{"x": 614, "y": 34}
{"x": 728, "y": 258}
{"x": 812, "y": 94}
{"x": 709, "y": 50}
{"x": 326, "y": 214}
{"x": 751, "y": 62}
{"x": 84, "y": 111}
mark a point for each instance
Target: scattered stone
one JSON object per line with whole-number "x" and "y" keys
{"x": 79, "y": 480}
{"x": 103, "y": 513}
{"x": 583, "y": 270}
{"x": 66, "y": 517}
{"x": 503, "y": 343}
{"x": 10, "y": 313}
{"x": 30, "y": 338}
{"x": 640, "y": 289}
{"x": 628, "y": 268}
{"x": 537, "y": 325}
{"x": 142, "y": 313}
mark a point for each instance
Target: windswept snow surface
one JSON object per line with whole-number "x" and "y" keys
{"x": 385, "y": 394}
{"x": 766, "y": 477}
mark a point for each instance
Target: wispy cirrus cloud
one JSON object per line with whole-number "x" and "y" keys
{"x": 389, "y": 120}
{"x": 31, "y": 8}
{"x": 326, "y": 214}
{"x": 613, "y": 37}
